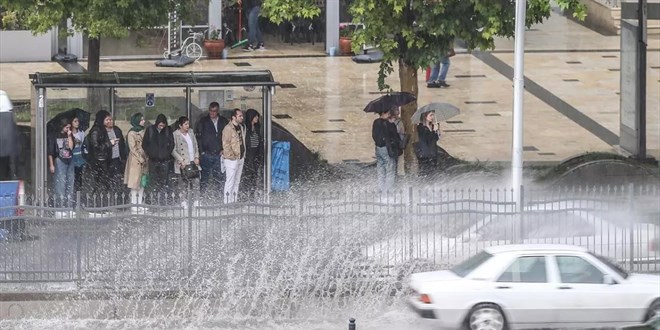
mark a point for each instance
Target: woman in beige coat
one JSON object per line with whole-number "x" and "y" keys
{"x": 185, "y": 152}
{"x": 136, "y": 164}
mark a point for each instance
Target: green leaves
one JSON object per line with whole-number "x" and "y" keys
{"x": 278, "y": 11}
{"x": 419, "y": 31}
{"x": 97, "y": 18}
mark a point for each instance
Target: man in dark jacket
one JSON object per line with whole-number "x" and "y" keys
{"x": 158, "y": 144}
{"x": 107, "y": 156}
{"x": 209, "y": 139}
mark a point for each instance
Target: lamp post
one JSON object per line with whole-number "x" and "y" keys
{"x": 518, "y": 93}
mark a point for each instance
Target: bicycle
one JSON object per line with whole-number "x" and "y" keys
{"x": 190, "y": 46}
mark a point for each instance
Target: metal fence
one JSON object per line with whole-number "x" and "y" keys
{"x": 311, "y": 237}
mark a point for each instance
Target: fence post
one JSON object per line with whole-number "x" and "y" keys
{"x": 190, "y": 234}
{"x": 410, "y": 216}
{"x": 351, "y": 324}
{"x": 521, "y": 216}
{"x": 78, "y": 241}
{"x": 631, "y": 224}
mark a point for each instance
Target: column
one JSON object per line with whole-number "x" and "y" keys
{"x": 331, "y": 24}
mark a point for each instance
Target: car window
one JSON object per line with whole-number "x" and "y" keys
{"x": 574, "y": 269}
{"x": 612, "y": 265}
{"x": 467, "y": 266}
{"x": 526, "y": 270}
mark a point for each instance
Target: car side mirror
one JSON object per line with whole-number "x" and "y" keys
{"x": 607, "y": 279}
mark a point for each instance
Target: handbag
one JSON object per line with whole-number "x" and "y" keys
{"x": 190, "y": 171}
{"x": 144, "y": 180}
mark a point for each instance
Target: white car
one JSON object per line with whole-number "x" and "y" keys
{"x": 535, "y": 286}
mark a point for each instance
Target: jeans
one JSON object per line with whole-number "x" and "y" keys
{"x": 64, "y": 178}
{"x": 444, "y": 63}
{"x": 254, "y": 32}
{"x": 211, "y": 175}
{"x": 234, "y": 170}
{"x": 386, "y": 168}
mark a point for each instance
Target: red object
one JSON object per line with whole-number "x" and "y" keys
{"x": 428, "y": 73}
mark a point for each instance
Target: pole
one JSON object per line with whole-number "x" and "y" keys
{"x": 268, "y": 139}
{"x": 641, "y": 76}
{"x": 518, "y": 93}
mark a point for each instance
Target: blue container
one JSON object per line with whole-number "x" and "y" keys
{"x": 280, "y": 166}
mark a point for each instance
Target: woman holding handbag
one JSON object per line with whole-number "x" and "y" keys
{"x": 136, "y": 166}
{"x": 186, "y": 157}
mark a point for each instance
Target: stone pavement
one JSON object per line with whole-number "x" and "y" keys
{"x": 571, "y": 102}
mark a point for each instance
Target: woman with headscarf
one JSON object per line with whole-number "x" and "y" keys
{"x": 254, "y": 154}
{"x": 136, "y": 165}
{"x": 60, "y": 146}
{"x": 107, "y": 153}
{"x": 426, "y": 149}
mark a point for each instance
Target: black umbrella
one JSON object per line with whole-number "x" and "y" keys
{"x": 388, "y": 102}
{"x": 83, "y": 116}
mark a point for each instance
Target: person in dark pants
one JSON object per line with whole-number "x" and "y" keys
{"x": 107, "y": 155}
{"x": 209, "y": 140}
{"x": 254, "y": 155}
{"x": 426, "y": 150}
{"x": 256, "y": 40}
{"x": 158, "y": 144}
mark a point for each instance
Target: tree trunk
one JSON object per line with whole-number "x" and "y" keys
{"x": 94, "y": 95}
{"x": 94, "y": 55}
{"x": 408, "y": 79}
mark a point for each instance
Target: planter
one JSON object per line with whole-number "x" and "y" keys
{"x": 345, "y": 46}
{"x": 214, "y": 48}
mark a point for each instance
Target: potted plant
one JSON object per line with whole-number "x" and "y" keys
{"x": 345, "y": 38}
{"x": 214, "y": 45}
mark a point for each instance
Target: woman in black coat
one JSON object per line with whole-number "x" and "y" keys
{"x": 254, "y": 155}
{"x": 106, "y": 150}
{"x": 426, "y": 150}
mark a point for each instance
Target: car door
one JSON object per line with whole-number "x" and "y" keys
{"x": 583, "y": 296}
{"x": 525, "y": 292}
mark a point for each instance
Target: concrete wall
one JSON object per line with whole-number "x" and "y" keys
{"x": 601, "y": 18}
{"x": 22, "y": 46}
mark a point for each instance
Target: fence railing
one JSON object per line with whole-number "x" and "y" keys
{"x": 312, "y": 237}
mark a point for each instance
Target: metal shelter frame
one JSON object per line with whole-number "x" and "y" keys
{"x": 112, "y": 80}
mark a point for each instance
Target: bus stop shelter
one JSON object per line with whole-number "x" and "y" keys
{"x": 124, "y": 93}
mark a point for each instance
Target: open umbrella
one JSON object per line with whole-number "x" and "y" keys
{"x": 83, "y": 116}
{"x": 443, "y": 111}
{"x": 387, "y": 102}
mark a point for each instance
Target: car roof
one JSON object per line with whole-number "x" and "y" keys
{"x": 533, "y": 247}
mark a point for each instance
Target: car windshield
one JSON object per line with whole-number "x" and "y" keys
{"x": 467, "y": 266}
{"x": 612, "y": 265}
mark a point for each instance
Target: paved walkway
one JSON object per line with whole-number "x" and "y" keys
{"x": 571, "y": 103}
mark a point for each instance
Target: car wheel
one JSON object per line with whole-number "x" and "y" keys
{"x": 486, "y": 317}
{"x": 654, "y": 311}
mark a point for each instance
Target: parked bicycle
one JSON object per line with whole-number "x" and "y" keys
{"x": 189, "y": 47}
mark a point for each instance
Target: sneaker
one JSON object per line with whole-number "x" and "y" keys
{"x": 248, "y": 48}
{"x": 442, "y": 83}
{"x": 433, "y": 84}
{"x": 261, "y": 47}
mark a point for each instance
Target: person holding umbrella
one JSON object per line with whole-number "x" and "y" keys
{"x": 428, "y": 133}
{"x": 78, "y": 134}
{"x": 386, "y": 138}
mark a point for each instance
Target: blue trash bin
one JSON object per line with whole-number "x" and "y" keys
{"x": 280, "y": 167}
